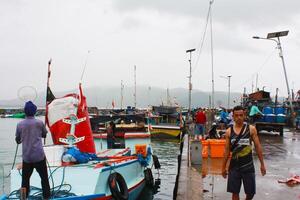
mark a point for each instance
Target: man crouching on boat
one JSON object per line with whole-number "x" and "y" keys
{"x": 239, "y": 140}
{"x": 30, "y": 133}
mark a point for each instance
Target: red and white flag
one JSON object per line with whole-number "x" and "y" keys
{"x": 62, "y": 108}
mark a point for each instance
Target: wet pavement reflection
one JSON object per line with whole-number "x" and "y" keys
{"x": 282, "y": 160}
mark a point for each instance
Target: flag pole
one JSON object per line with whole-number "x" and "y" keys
{"x": 47, "y": 90}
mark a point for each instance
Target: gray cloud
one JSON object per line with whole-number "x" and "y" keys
{"x": 152, "y": 34}
{"x": 253, "y": 13}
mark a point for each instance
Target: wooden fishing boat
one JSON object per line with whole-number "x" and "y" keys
{"x": 108, "y": 174}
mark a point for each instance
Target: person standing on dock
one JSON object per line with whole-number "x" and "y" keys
{"x": 30, "y": 132}
{"x": 111, "y": 135}
{"x": 200, "y": 119}
{"x": 255, "y": 113}
{"x": 239, "y": 140}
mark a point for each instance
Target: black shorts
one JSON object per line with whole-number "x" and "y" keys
{"x": 235, "y": 178}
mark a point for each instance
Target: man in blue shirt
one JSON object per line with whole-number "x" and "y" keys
{"x": 30, "y": 133}
{"x": 224, "y": 116}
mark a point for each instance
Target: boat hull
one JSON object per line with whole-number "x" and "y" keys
{"x": 134, "y": 193}
{"x": 89, "y": 181}
{"x": 165, "y": 131}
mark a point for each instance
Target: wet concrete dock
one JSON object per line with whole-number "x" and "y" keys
{"x": 189, "y": 180}
{"x": 282, "y": 160}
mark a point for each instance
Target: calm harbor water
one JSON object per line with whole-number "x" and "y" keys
{"x": 166, "y": 151}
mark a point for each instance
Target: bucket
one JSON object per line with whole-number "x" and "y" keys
{"x": 196, "y": 152}
{"x": 205, "y": 145}
{"x": 217, "y": 148}
{"x": 280, "y": 118}
{"x": 279, "y": 110}
{"x": 141, "y": 149}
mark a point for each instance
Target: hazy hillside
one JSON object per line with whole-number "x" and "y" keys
{"x": 103, "y": 97}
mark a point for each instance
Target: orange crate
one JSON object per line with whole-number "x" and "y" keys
{"x": 205, "y": 146}
{"x": 217, "y": 148}
{"x": 141, "y": 149}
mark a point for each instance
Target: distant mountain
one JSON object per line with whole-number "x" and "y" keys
{"x": 103, "y": 97}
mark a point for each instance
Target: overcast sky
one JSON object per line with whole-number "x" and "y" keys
{"x": 151, "y": 34}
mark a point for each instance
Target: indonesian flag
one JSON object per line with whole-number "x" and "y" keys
{"x": 62, "y": 108}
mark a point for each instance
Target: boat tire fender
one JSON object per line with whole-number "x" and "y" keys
{"x": 156, "y": 162}
{"x": 148, "y": 177}
{"x": 118, "y": 186}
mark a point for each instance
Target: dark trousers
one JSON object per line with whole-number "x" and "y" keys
{"x": 41, "y": 168}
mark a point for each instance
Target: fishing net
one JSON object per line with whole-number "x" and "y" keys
{"x": 27, "y": 93}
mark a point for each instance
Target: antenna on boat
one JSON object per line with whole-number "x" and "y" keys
{"x": 122, "y": 94}
{"x": 73, "y": 120}
{"x": 85, "y": 64}
{"x": 134, "y": 86}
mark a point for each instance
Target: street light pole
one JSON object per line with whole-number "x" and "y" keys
{"x": 277, "y": 35}
{"x": 228, "y": 96}
{"x": 229, "y": 76}
{"x": 190, "y": 79}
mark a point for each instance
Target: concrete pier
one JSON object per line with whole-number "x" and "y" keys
{"x": 189, "y": 181}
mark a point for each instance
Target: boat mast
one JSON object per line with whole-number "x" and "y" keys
{"x": 256, "y": 86}
{"x": 122, "y": 94}
{"x": 252, "y": 84}
{"x": 134, "y": 86}
{"x": 47, "y": 93}
{"x": 149, "y": 97}
{"x": 168, "y": 98}
{"x": 212, "y": 58}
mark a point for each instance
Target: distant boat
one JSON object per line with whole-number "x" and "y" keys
{"x": 165, "y": 131}
{"x": 98, "y": 122}
{"x": 20, "y": 115}
{"x": 166, "y": 122}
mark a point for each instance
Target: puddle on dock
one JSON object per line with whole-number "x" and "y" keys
{"x": 282, "y": 160}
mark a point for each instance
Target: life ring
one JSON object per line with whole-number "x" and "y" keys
{"x": 118, "y": 186}
{"x": 148, "y": 177}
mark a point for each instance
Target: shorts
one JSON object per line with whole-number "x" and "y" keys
{"x": 234, "y": 182}
{"x": 199, "y": 129}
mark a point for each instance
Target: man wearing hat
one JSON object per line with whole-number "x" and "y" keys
{"x": 30, "y": 132}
